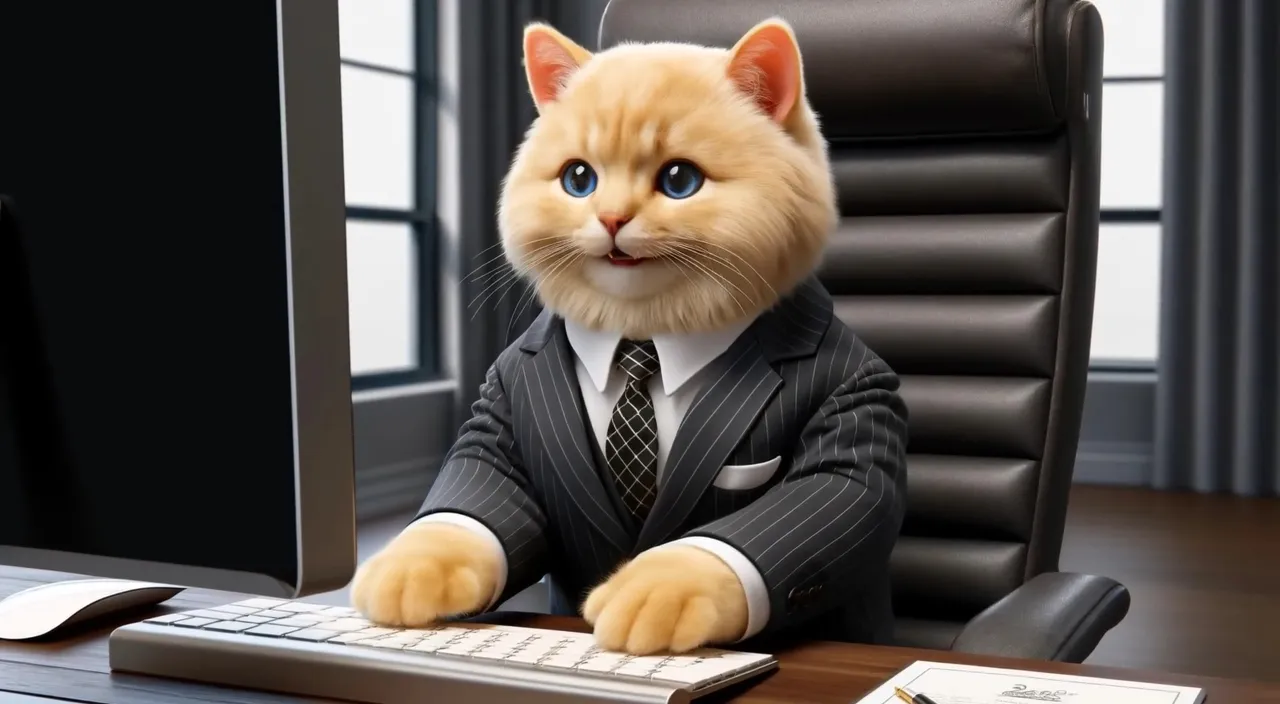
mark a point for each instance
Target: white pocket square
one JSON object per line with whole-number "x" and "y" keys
{"x": 740, "y": 477}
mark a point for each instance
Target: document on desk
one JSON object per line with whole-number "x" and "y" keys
{"x": 966, "y": 684}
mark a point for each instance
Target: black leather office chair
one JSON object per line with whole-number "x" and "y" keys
{"x": 965, "y": 144}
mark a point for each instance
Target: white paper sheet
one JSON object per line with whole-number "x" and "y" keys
{"x": 966, "y": 684}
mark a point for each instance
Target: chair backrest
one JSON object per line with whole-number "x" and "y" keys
{"x": 964, "y": 138}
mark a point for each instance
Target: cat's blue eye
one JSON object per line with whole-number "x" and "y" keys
{"x": 578, "y": 179}
{"x": 680, "y": 179}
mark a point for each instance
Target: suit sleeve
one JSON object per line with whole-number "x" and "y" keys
{"x": 834, "y": 519}
{"x": 483, "y": 479}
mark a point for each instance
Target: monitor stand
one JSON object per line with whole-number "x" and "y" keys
{"x": 46, "y": 609}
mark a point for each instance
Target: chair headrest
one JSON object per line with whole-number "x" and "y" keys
{"x": 891, "y": 68}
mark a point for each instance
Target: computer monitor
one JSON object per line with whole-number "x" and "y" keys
{"x": 174, "y": 365}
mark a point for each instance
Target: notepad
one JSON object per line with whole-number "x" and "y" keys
{"x": 967, "y": 684}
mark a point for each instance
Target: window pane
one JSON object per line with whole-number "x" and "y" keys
{"x": 377, "y": 134}
{"x": 1134, "y": 37}
{"x": 1132, "y": 144}
{"x": 1126, "y": 309}
{"x": 377, "y": 32}
{"x": 382, "y": 281}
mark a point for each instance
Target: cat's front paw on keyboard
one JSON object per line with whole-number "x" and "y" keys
{"x": 672, "y": 599}
{"x": 426, "y": 573}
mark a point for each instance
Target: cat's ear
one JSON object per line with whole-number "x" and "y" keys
{"x": 765, "y": 64}
{"x": 550, "y": 58}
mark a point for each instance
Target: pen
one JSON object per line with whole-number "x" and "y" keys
{"x": 910, "y": 698}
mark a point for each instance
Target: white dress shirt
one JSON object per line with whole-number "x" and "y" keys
{"x": 682, "y": 360}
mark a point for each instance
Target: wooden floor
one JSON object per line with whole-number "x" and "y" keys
{"x": 1204, "y": 573}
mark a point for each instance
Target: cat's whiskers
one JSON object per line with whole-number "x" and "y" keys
{"x": 692, "y": 252}
{"x": 676, "y": 263}
{"x": 527, "y": 298}
{"x": 698, "y": 244}
{"x": 500, "y": 285}
{"x": 560, "y": 265}
{"x": 558, "y": 256}
{"x": 507, "y": 268}
{"x": 530, "y": 292}
{"x": 500, "y": 243}
{"x": 678, "y": 254}
{"x": 717, "y": 259}
{"x": 497, "y": 277}
{"x": 501, "y": 257}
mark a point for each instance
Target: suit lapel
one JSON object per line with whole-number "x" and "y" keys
{"x": 742, "y": 382}
{"x": 556, "y": 405}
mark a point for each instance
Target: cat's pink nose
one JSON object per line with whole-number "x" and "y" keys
{"x": 612, "y": 223}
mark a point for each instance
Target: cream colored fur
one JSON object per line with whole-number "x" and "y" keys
{"x": 428, "y": 572}
{"x": 755, "y": 229}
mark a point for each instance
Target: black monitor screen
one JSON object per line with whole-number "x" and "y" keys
{"x": 145, "y": 392}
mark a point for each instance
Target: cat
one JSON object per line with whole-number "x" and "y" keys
{"x": 663, "y": 189}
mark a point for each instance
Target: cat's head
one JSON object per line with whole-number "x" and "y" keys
{"x": 667, "y": 187}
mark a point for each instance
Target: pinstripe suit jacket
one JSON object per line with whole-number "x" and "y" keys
{"x": 797, "y": 385}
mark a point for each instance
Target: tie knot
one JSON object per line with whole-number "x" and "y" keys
{"x": 638, "y": 360}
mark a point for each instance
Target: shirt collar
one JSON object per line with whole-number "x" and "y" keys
{"x": 680, "y": 356}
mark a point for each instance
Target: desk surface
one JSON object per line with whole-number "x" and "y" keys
{"x": 75, "y": 667}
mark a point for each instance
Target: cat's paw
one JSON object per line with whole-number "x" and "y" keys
{"x": 674, "y": 599}
{"x": 428, "y": 572}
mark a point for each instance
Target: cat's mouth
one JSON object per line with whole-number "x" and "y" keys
{"x": 620, "y": 258}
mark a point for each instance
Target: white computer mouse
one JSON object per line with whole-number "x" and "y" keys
{"x": 43, "y": 609}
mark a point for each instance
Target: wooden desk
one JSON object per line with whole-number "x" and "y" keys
{"x": 75, "y": 668}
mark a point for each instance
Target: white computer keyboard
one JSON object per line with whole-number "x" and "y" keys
{"x": 272, "y": 628}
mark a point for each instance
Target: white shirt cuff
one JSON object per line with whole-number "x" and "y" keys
{"x": 463, "y": 521}
{"x": 752, "y": 581}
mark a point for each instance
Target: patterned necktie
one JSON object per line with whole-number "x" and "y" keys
{"x": 631, "y": 445}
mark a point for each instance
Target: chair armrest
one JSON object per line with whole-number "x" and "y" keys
{"x": 1054, "y": 616}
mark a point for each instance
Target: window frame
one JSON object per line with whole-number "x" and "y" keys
{"x": 422, "y": 218}
{"x": 1118, "y": 420}
{"x": 1128, "y": 216}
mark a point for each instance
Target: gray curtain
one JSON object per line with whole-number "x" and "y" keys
{"x": 1218, "y": 394}
{"x": 495, "y": 109}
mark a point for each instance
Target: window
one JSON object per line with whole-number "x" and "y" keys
{"x": 388, "y": 129}
{"x": 1127, "y": 303}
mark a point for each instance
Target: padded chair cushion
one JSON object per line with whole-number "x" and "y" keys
{"x": 887, "y": 68}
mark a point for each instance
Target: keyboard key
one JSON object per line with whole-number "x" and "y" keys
{"x": 260, "y": 603}
{"x": 340, "y": 611}
{"x": 300, "y": 607}
{"x": 298, "y": 621}
{"x": 195, "y": 622}
{"x": 168, "y": 618}
{"x": 236, "y": 609}
{"x": 254, "y": 619}
{"x": 649, "y": 666}
{"x": 272, "y": 613}
{"x": 270, "y": 630}
{"x": 343, "y": 625}
{"x": 600, "y": 661}
{"x": 531, "y": 650}
{"x": 213, "y": 614}
{"x": 315, "y": 635}
{"x": 393, "y": 642}
{"x": 354, "y": 636}
{"x": 229, "y": 626}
